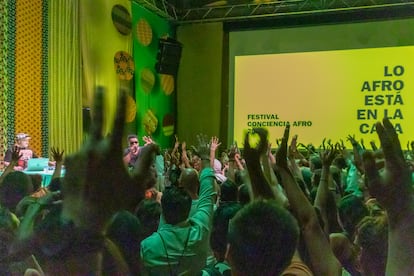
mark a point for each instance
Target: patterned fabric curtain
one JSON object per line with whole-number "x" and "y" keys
{"x": 23, "y": 72}
{"x": 3, "y": 77}
{"x": 65, "y": 77}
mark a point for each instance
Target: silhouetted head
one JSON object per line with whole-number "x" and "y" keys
{"x": 228, "y": 191}
{"x": 218, "y": 237}
{"x": 189, "y": 180}
{"x": 262, "y": 239}
{"x": 16, "y": 185}
{"x": 176, "y": 205}
{"x": 371, "y": 238}
{"x": 351, "y": 210}
{"x": 148, "y": 213}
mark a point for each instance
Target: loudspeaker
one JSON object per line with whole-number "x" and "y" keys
{"x": 168, "y": 57}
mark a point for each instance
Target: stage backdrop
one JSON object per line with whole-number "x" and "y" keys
{"x": 327, "y": 81}
{"x": 155, "y": 93}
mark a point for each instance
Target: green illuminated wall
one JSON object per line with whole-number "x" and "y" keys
{"x": 150, "y": 88}
{"x": 201, "y": 106}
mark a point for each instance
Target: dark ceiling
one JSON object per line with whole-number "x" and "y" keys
{"x": 245, "y": 11}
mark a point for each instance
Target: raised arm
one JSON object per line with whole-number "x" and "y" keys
{"x": 293, "y": 153}
{"x": 323, "y": 193}
{"x": 58, "y": 157}
{"x": 13, "y": 162}
{"x": 176, "y": 146}
{"x": 322, "y": 258}
{"x": 204, "y": 213}
{"x": 260, "y": 185}
{"x": 357, "y": 150}
{"x": 394, "y": 191}
{"x": 97, "y": 184}
{"x": 184, "y": 157}
{"x": 231, "y": 170}
{"x": 33, "y": 207}
{"x": 214, "y": 144}
{"x": 268, "y": 161}
{"x": 147, "y": 140}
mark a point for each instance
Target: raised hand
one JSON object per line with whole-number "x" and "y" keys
{"x": 278, "y": 142}
{"x": 253, "y": 154}
{"x": 214, "y": 143}
{"x": 148, "y": 140}
{"x": 177, "y": 143}
{"x": 362, "y": 144}
{"x": 185, "y": 160}
{"x": 202, "y": 148}
{"x": 97, "y": 184}
{"x": 293, "y": 149}
{"x": 281, "y": 155}
{"x": 352, "y": 140}
{"x": 16, "y": 155}
{"x": 233, "y": 151}
{"x": 392, "y": 188}
{"x": 373, "y": 145}
{"x": 328, "y": 155}
{"x": 260, "y": 184}
{"x": 309, "y": 148}
{"x": 342, "y": 144}
{"x": 394, "y": 191}
{"x": 271, "y": 156}
{"x": 57, "y": 154}
{"x": 13, "y": 165}
{"x": 323, "y": 144}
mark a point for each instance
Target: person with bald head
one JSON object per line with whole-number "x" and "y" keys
{"x": 189, "y": 180}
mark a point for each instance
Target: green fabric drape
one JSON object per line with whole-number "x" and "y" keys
{"x": 100, "y": 41}
{"x": 65, "y": 76}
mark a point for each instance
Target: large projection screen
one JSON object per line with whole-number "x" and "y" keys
{"x": 326, "y": 81}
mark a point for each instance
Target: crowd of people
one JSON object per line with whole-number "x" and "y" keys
{"x": 205, "y": 210}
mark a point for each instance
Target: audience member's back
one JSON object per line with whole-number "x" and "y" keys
{"x": 262, "y": 239}
{"x": 16, "y": 185}
{"x": 243, "y": 194}
{"x": 228, "y": 191}
{"x": 148, "y": 213}
{"x": 372, "y": 240}
{"x": 351, "y": 211}
{"x": 180, "y": 245}
{"x": 218, "y": 237}
{"x": 125, "y": 231}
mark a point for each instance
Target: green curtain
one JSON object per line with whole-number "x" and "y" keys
{"x": 65, "y": 76}
{"x": 100, "y": 41}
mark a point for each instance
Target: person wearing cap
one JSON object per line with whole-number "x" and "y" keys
{"x": 22, "y": 143}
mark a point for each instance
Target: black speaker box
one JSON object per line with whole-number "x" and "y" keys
{"x": 168, "y": 57}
